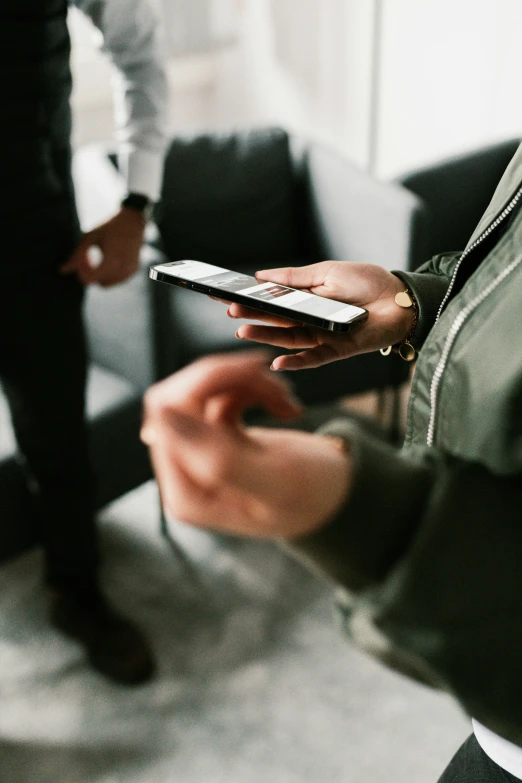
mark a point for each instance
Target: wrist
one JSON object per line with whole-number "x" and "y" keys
{"x": 333, "y": 482}
{"x": 341, "y": 473}
{"x": 405, "y": 315}
{"x": 407, "y": 312}
{"x": 133, "y": 214}
{"x": 408, "y": 321}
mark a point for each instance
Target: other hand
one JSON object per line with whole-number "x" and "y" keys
{"x": 365, "y": 285}
{"x": 213, "y": 472}
{"x": 119, "y": 241}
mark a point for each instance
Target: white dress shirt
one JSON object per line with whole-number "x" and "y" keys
{"x": 130, "y": 36}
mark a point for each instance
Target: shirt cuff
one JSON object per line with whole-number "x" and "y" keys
{"x": 143, "y": 172}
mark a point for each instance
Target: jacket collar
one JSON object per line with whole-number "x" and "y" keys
{"x": 506, "y": 189}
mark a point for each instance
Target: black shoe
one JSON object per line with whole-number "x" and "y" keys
{"x": 114, "y": 646}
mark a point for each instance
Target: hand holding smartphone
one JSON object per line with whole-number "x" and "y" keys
{"x": 284, "y": 301}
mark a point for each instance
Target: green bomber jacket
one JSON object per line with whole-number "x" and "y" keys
{"x": 427, "y": 550}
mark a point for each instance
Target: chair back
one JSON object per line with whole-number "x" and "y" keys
{"x": 351, "y": 215}
{"x": 456, "y": 193}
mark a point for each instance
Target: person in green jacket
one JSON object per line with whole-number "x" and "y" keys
{"x": 424, "y": 542}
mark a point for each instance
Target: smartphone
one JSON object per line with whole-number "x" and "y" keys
{"x": 272, "y": 298}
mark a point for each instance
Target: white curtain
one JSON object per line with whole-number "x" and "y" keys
{"x": 198, "y": 26}
{"x": 297, "y": 41}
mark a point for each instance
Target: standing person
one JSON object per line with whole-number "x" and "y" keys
{"x": 44, "y": 266}
{"x": 425, "y": 543}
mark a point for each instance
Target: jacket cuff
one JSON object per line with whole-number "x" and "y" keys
{"x": 143, "y": 172}
{"x": 372, "y": 530}
{"x": 429, "y": 291}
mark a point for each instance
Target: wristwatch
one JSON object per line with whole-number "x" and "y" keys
{"x": 139, "y": 203}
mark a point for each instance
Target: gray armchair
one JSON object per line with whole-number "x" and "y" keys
{"x": 262, "y": 198}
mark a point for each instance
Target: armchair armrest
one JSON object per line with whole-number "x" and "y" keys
{"x": 123, "y": 323}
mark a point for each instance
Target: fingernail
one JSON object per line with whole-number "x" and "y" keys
{"x": 275, "y": 369}
{"x": 238, "y": 335}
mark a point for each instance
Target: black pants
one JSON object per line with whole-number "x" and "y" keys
{"x": 471, "y": 765}
{"x": 43, "y": 372}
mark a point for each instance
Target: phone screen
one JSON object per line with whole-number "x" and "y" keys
{"x": 226, "y": 281}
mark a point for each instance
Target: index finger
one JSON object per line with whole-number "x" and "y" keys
{"x": 245, "y": 375}
{"x": 251, "y": 314}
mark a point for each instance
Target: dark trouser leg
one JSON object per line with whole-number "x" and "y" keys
{"x": 43, "y": 370}
{"x": 471, "y": 765}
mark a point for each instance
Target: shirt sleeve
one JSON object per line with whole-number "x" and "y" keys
{"x": 429, "y": 284}
{"x": 131, "y": 38}
{"x": 426, "y": 553}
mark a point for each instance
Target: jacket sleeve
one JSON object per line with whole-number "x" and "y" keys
{"x": 129, "y": 33}
{"x": 429, "y": 284}
{"x": 428, "y": 556}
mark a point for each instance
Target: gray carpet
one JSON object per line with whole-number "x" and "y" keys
{"x": 256, "y": 681}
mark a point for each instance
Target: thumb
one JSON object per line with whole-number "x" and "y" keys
{"x": 213, "y": 456}
{"x": 86, "y": 263}
{"x": 295, "y": 276}
{"x": 81, "y": 255}
{"x": 75, "y": 261}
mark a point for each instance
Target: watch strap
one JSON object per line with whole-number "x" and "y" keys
{"x": 139, "y": 203}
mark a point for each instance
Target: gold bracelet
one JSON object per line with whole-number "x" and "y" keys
{"x": 404, "y": 348}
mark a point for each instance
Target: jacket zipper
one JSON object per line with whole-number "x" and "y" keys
{"x": 485, "y": 234}
{"x": 466, "y": 311}
{"x": 456, "y": 326}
